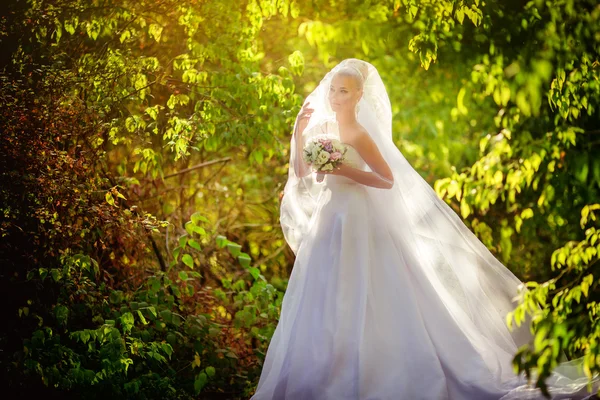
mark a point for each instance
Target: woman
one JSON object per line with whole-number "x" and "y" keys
{"x": 391, "y": 295}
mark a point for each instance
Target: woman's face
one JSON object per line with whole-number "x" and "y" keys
{"x": 343, "y": 93}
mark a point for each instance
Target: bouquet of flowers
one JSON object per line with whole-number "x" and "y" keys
{"x": 324, "y": 153}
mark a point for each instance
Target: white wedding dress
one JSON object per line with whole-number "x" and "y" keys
{"x": 391, "y": 296}
{"x": 355, "y": 326}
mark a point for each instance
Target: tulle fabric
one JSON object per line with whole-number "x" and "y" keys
{"x": 391, "y": 295}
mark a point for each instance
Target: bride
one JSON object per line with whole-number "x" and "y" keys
{"x": 391, "y": 296}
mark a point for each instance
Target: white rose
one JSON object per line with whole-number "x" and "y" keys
{"x": 315, "y": 152}
{"x": 306, "y": 157}
{"x": 323, "y": 157}
{"x": 327, "y": 167}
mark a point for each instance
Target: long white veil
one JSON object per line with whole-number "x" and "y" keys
{"x": 475, "y": 287}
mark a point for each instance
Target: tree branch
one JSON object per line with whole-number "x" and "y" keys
{"x": 204, "y": 164}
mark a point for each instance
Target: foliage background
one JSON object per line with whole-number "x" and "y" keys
{"x": 144, "y": 151}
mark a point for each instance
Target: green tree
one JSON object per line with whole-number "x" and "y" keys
{"x": 144, "y": 150}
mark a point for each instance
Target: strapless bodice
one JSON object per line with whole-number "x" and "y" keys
{"x": 353, "y": 159}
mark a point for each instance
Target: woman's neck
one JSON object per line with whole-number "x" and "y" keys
{"x": 345, "y": 119}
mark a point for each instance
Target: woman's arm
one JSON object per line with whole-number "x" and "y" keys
{"x": 300, "y": 167}
{"x": 367, "y": 178}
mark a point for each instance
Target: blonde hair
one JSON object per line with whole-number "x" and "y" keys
{"x": 354, "y": 68}
{"x": 353, "y": 73}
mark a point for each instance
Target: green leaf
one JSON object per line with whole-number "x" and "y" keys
{"x": 465, "y": 209}
{"x": 93, "y": 29}
{"x": 176, "y": 252}
{"x": 258, "y": 156}
{"x": 509, "y": 319}
{"x": 177, "y": 319}
{"x": 71, "y": 25}
{"x": 152, "y": 112}
{"x": 296, "y": 60}
{"x": 110, "y": 199}
{"x": 166, "y": 315}
{"x": 127, "y": 321}
{"x": 199, "y": 230}
{"x": 221, "y": 241}
{"x": 194, "y": 244}
{"x": 56, "y": 274}
{"x": 189, "y": 76}
{"x": 294, "y": 9}
{"x": 125, "y": 35}
{"x": 172, "y": 102}
{"x": 527, "y": 213}
{"x": 155, "y": 31}
{"x": 85, "y": 336}
{"x": 504, "y": 95}
{"x": 58, "y": 31}
{"x": 200, "y": 381}
{"x": 189, "y": 227}
{"x": 142, "y": 318}
{"x": 255, "y": 272}
{"x": 62, "y": 314}
{"x": 234, "y": 249}
{"x": 188, "y": 260}
{"x": 119, "y": 195}
{"x": 582, "y": 173}
{"x": 152, "y": 311}
{"x": 460, "y": 15}
{"x": 244, "y": 259}
{"x": 115, "y": 296}
{"x": 196, "y": 217}
{"x": 543, "y": 68}
{"x": 231, "y": 354}
{"x": 183, "y": 241}
{"x": 168, "y": 349}
{"x": 460, "y": 101}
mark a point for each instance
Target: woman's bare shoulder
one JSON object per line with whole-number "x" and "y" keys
{"x": 356, "y": 134}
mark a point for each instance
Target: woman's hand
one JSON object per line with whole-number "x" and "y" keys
{"x": 339, "y": 170}
{"x": 305, "y": 114}
{"x": 301, "y": 168}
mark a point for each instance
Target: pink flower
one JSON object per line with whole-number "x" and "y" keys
{"x": 327, "y": 145}
{"x": 336, "y": 155}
